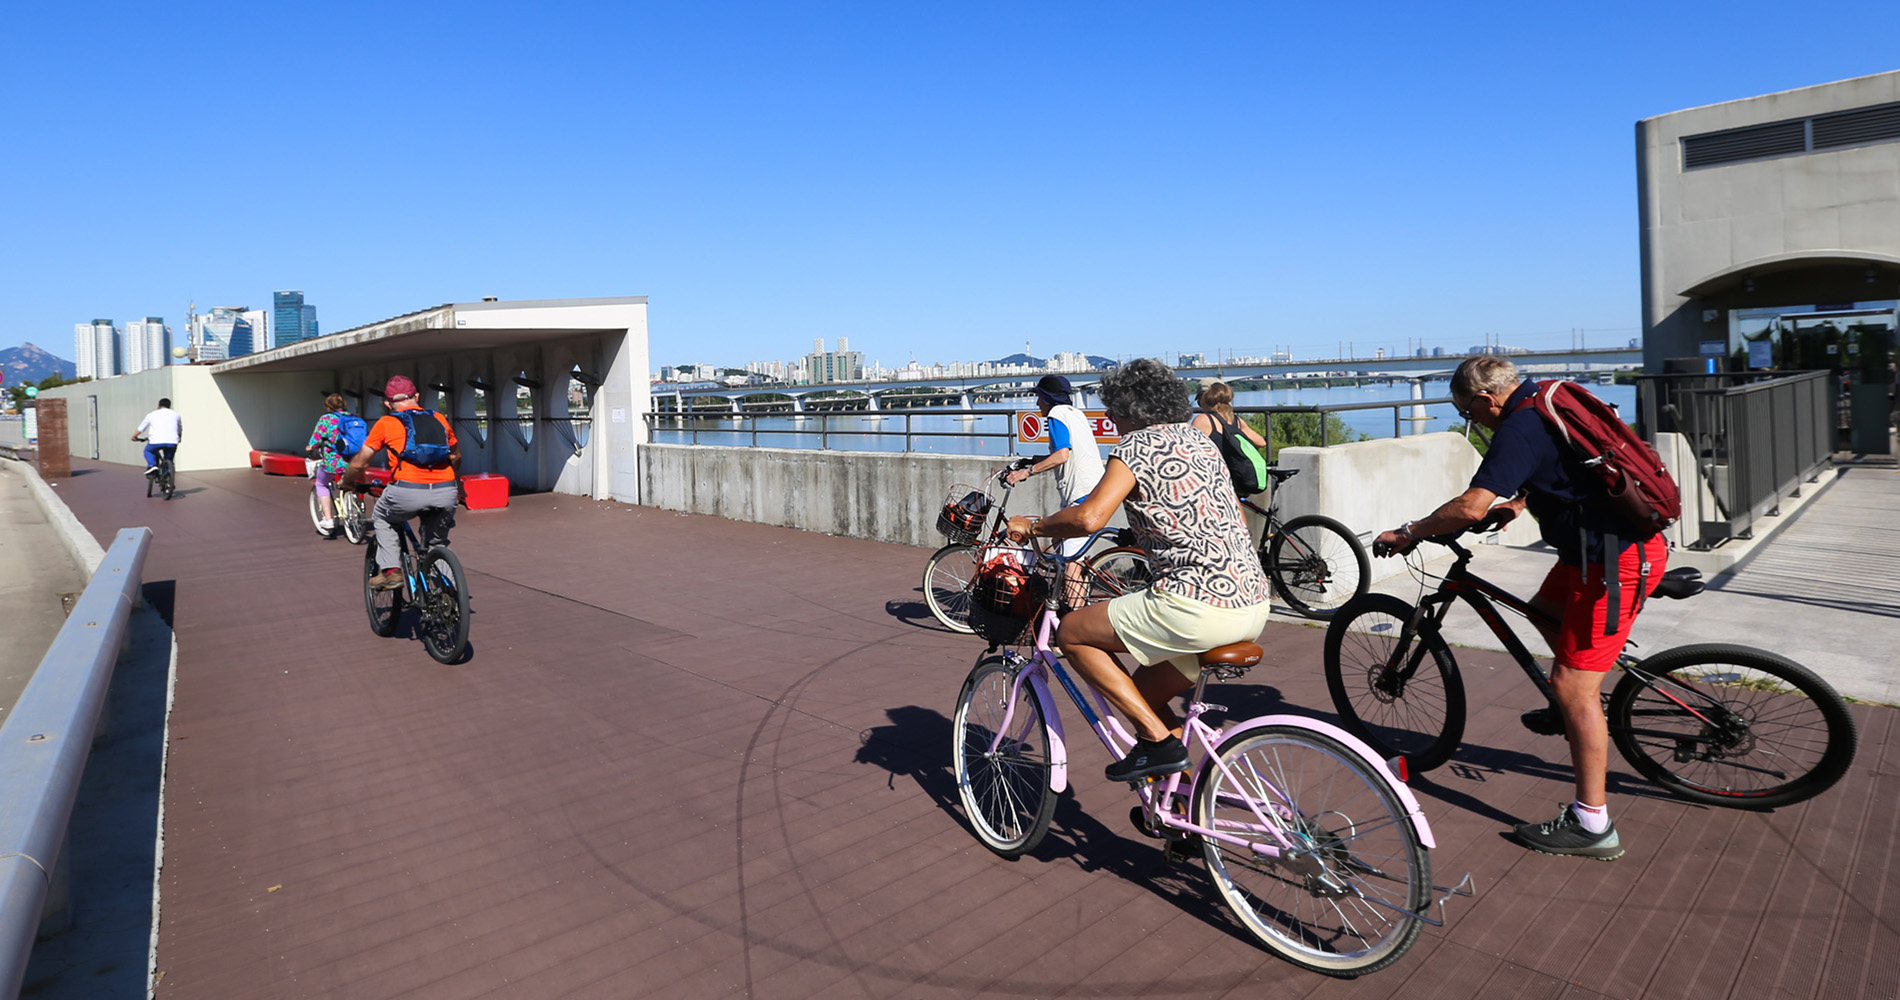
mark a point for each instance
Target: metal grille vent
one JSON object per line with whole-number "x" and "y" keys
{"x": 1858, "y": 127}
{"x": 1752, "y": 143}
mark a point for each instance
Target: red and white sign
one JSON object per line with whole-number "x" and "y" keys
{"x": 1032, "y": 428}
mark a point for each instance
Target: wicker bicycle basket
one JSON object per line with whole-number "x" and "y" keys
{"x": 1012, "y": 585}
{"x": 961, "y": 519}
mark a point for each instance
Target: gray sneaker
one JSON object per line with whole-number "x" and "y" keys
{"x": 1565, "y": 835}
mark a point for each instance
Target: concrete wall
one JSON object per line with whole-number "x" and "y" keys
{"x": 1373, "y": 486}
{"x": 1698, "y": 223}
{"x": 894, "y": 497}
{"x": 224, "y": 416}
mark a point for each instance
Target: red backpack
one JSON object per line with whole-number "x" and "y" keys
{"x": 1636, "y": 485}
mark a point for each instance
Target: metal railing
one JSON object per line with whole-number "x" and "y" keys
{"x": 45, "y": 742}
{"x": 726, "y": 423}
{"x": 1756, "y": 438}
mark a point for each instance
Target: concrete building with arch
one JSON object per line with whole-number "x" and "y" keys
{"x": 1770, "y": 230}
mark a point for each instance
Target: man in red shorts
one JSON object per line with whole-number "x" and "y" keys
{"x": 1530, "y": 465}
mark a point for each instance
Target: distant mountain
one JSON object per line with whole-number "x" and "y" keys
{"x": 27, "y": 363}
{"x": 1019, "y": 358}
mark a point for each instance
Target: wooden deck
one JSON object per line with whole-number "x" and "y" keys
{"x": 699, "y": 758}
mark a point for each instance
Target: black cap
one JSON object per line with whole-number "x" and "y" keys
{"x": 1054, "y": 390}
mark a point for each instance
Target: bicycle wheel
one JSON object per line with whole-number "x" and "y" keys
{"x": 1396, "y": 700}
{"x": 948, "y": 577}
{"x": 1331, "y": 905}
{"x": 316, "y": 512}
{"x": 385, "y": 606}
{"x": 1005, "y": 791}
{"x": 351, "y": 517}
{"x": 1117, "y": 571}
{"x": 1316, "y": 565}
{"x": 165, "y": 479}
{"x": 1732, "y": 726}
{"x": 444, "y": 605}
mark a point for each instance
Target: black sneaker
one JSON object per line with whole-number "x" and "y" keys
{"x": 1543, "y": 721}
{"x": 1565, "y": 835}
{"x": 1150, "y": 760}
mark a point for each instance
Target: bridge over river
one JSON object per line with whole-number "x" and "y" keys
{"x": 693, "y": 757}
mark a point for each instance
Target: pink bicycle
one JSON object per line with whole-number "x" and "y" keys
{"x": 1312, "y": 841}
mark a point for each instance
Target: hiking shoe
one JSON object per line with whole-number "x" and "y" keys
{"x": 151, "y": 470}
{"x": 1543, "y": 721}
{"x": 1150, "y": 760}
{"x": 389, "y": 579}
{"x": 1565, "y": 835}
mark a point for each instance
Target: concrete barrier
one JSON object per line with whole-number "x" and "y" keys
{"x": 894, "y": 496}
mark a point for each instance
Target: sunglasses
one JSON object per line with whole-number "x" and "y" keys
{"x": 1464, "y": 408}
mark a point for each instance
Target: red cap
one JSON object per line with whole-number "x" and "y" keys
{"x": 399, "y": 387}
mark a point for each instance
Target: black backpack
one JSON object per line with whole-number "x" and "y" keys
{"x": 428, "y": 440}
{"x": 1245, "y": 465}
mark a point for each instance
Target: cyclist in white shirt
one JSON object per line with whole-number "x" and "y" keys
{"x": 162, "y": 430}
{"x": 1073, "y": 452}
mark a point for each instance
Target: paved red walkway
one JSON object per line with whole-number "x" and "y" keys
{"x": 696, "y": 758}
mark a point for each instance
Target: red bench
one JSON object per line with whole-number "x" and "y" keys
{"x": 278, "y": 464}
{"x": 485, "y": 490}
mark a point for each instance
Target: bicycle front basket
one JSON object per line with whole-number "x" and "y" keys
{"x": 961, "y": 518}
{"x": 1011, "y": 587}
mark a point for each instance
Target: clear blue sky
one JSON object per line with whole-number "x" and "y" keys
{"x": 938, "y": 179}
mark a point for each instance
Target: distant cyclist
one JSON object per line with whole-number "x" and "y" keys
{"x": 1527, "y": 458}
{"x": 162, "y": 430}
{"x": 424, "y": 460}
{"x": 332, "y": 447}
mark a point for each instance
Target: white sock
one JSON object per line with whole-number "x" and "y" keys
{"x": 1595, "y": 819}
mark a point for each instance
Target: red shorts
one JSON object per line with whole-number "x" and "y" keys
{"x": 1584, "y": 597}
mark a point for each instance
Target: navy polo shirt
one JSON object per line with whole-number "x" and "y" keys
{"x": 1527, "y": 455}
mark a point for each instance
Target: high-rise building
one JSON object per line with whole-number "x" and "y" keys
{"x": 225, "y": 333}
{"x": 148, "y": 344}
{"x": 841, "y": 365}
{"x": 260, "y": 324}
{"x": 292, "y": 320}
{"x": 99, "y": 354}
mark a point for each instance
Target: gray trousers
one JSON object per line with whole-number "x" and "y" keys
{"x": 433, "y": 505}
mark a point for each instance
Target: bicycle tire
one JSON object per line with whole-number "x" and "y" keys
{"x": 1421, "y": 718}
{"x": 316, "y": 511}
{"x": 384, "y": 606}
{"x": 1006, "y": 795}
{"x": 1316, "y": 565}
{"x": 1316, "y": 912}
{"x": 1117, "y": 571}
{"x": 444, "y": 605}
{"x": 1771, "y": 714}
{"x": 165, "y": 482}
{"x": 948, "y": 577}
{"x": 351, "y": 516}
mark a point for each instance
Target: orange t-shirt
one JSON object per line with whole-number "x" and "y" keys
{"x": 388, "y": 433}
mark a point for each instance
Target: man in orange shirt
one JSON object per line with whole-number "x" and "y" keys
{"x": 424, "y": 459}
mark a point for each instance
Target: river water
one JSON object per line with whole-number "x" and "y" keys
{"x": 991, "y": 434}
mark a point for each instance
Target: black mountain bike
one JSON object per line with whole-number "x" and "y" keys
{"x": 161, "y": 481}
{"x": 433, "y": 584}
{"x": 1315, "y": 563}
{"x": 1714, "y": 723}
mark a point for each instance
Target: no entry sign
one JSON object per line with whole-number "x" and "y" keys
{"x": 1032, "y": 428}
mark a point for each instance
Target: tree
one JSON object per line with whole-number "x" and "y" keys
{"x": 16, "y": 394}
{"x": 1302, "y": 430}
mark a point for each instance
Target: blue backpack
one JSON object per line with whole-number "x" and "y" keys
{"x": 352, "y": 431}
{"x": 428, "y": 440}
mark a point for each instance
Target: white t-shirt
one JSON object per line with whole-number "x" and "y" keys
{"x": 162, "y": 426}
{"x": 1069, "y": 428}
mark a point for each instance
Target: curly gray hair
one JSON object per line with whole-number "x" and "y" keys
{"x": 1145, "y": 391}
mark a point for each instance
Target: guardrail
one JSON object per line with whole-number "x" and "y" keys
{"x": 819, "y": 423}
{"x": 44, "y": 744}
{"x": 1756, "y": 439}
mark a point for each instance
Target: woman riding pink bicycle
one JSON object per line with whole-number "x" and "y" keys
{"x": 1209, "y": 589}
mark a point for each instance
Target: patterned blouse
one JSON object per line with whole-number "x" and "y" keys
{"x": 1186, "y": 516}
{"x": 329, "y": 428}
